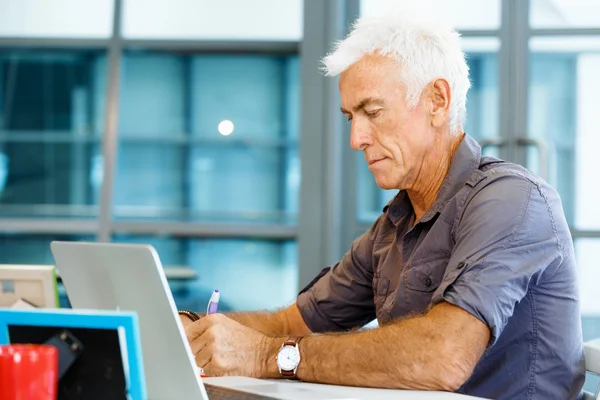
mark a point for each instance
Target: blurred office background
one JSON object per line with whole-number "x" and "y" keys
{"x": 206, "y": 129}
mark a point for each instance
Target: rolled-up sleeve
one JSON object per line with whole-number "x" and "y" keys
{"x": 505, "y": 240}
{"x": 342, "y": 298}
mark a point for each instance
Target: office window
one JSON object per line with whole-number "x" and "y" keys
{"x": 271, "y": 20}
{"x": 56, "y": 18}
{"x": 588, "y": 254}
{"x": 49, "y": 132}
{"x": 564, "y": 14}
{"x": 209, "y": 138}
{"x": 213, "y": 138}
{"x": 250, "y": 274}
{"x": 482, "y": 122}
{"x": 32, "y": 248}
{"x": 482, "y": 99}
{"x": 35, "y": 249}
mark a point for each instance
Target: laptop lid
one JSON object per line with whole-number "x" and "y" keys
{"x": 130, "y": 277}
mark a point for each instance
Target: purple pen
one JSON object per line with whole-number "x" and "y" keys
{"x": 213, "y": 303}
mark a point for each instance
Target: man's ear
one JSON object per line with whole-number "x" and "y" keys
{"x": 439, "y": 99}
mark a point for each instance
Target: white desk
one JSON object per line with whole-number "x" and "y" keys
{"x": 340, "y": 392}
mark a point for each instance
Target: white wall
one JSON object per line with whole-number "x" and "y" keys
{"x": 462, "y": 14}
{"x": 564, "y": 13}
{"x": 161, "y": 19}
{"x": 209, "y": 19}
{"x": 56, "y": 18}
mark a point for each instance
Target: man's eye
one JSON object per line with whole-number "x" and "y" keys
{"x": 349, "y": 119}
{"x": 373, "y": 114}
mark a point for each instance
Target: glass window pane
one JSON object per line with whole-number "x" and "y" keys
{"x": 50, "y": 132}
{"x": 250, "y": 274}
{"x": 563, "y": 105}
{"x": 220, "y": 175}
{"x": 214, "y": 20}
{"x": 32, "y": 249}
{"x": 462, "y": 14}
{"x": 588, "y": 254}
{"x": 56, "y": 18}
{"x": 482, "y": 99}
{"x": 482, "y": 122}
{"x": 248, "y": 90}
{"x": 172, "y": 252}
{"x": 200, "y": 133}
{"x": 587, "y": 251}
{"x": 35, "y": 249}
{"x": 150, "y": 181}
{"x": 564, "y": 13}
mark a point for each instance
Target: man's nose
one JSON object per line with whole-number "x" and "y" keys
{"x": 360, "y": 136}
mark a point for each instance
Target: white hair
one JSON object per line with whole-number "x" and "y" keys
{"x": 427, "y": 48}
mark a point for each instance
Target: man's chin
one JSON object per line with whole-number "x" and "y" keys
{"x": 385, "y": 185}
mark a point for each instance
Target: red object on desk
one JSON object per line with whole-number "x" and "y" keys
{"x": 28, "y": 372}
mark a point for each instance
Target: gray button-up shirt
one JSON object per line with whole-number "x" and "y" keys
{"x": 495, "y": 243}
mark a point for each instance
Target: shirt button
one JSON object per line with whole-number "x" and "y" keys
{"x": 427, "y": 282}
{"x": 460, "y": 265}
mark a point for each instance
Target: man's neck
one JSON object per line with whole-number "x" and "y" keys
{"x": 427, "y": 185}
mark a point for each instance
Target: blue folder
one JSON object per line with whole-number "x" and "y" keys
{"x": 125, "y": 322}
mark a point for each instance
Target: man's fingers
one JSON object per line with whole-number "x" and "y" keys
{"x": 208, "y": 369}
{"x": 197, "y": 345}
{"x": 203, "y": 357}
{"x": 197, "y": 329}
{"x": 212, "y": 369}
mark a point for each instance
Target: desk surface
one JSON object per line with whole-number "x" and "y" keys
{"x": 342, "y": 392}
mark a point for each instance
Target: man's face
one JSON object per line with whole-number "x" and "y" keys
{"x": 396, "y": 141}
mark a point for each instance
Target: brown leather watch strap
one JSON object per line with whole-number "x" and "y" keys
{"x": 291, "y": 341}
{"x": 190, "y": 314}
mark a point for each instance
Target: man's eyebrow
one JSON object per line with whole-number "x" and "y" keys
{"x": 363, "y": 103}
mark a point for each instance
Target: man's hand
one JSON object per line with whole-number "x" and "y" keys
{"x": 222, "y": 346}
{"x": 186, "y": 321}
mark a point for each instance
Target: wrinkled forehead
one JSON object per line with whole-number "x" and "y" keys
{"x": 373, "y": 75}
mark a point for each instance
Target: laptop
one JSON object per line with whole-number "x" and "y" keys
{"x": 130, "y": 277}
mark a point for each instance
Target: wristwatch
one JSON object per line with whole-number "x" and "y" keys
{"x": 190, "y": 314}
{"x": 288, "y": 357}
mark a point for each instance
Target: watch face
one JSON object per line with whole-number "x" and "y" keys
{"x": 288, "y": 358}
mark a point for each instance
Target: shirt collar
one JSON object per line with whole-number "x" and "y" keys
{"x": 464, "y": 169}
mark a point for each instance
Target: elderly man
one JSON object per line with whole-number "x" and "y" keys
{"x": 470, "y": 269}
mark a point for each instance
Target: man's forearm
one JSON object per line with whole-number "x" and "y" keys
{"x": 268, "y": 323}
{"x": 410, "y": 354}
{"x": 284, "y": 322}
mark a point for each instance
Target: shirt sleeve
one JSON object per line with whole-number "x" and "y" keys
{"x": 506, "y": 239}
{"x": 342, "y": 297}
